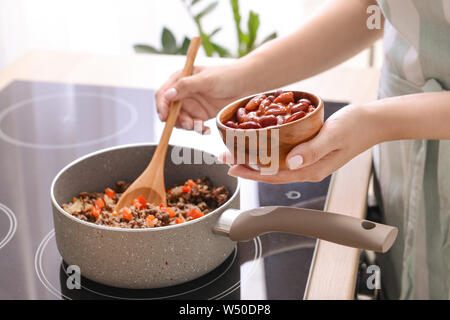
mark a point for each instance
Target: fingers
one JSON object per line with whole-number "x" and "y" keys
{"x": 313, "y": 173}
{"x": 162, "y": 103}
{"x": 310, "y": 152}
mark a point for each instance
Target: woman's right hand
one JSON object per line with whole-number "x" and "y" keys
{"x": 203, "y": 94}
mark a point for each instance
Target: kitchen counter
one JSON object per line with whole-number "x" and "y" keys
{"x": 334, "y": 267}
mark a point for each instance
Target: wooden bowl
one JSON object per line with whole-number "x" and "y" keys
{"x": 265, "y": 149}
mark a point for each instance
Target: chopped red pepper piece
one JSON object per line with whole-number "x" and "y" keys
{"x": 126, "y": 214}
{"x": 170, "y": 211}
{"x": 191, "y": 183}
{"x": 169, "y": 191}
{"x": 186, "y": 189}
{"x": 140, "y": 202}
{"x": 194, "y": 213}
{"x": 110, "y": 193}
{"x": 178, "y": 220}
{"x": 99, "y": 203}
{"x": 95, "y": 211}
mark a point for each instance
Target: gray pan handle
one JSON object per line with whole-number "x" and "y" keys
{"x": 338, "y": 228}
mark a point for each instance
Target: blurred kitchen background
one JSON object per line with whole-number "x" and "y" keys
{"x": 116, "y": 26}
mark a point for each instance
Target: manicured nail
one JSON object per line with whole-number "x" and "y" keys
{"x": 295, "y": 162}
{"x": 170, "y": 93}
{"x": 186, "y": 125}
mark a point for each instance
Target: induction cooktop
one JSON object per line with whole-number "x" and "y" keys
{"x": 44, "y": 126}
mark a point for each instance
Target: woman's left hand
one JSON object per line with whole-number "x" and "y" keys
{"x": 347, "y": 133}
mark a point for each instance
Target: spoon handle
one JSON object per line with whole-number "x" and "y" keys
{"x": 175, "y": 106}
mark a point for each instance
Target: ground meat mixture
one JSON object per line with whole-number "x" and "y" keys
{"x": 185, "y": 202}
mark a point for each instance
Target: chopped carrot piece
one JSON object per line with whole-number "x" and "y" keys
{"x": 191, "y": 183}
{"x": 186, "y": 189}
{"x": 149, "y": 219}
{"x": 74, "y": 199}
{"x": 170, "y": 211}
{"x": 194, "y": 213}
{"x": 126, "y": 214}
{"x": 99, "y": 203}
{"x": 95, "y": 212}
{"x": 115, "y": 213}
{"x": 178, "y": 220}
{"x": 110, "y": 193}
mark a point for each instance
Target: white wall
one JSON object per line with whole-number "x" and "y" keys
{"x": 113, "y": 26}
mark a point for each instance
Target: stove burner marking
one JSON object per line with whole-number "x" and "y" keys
{"x": 12, "y": 225}
{"x": 7, "y": 138}
{"x": 40, "y": 272}
{"x": 293, "y": 195}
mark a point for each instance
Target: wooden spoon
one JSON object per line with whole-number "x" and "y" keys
{"x": 150, "y": 184}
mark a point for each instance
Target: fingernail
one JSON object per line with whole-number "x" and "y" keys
{"x": 170, "y": 93}
{"x": 295, "y": 162}
{"x": 186, "y": 125}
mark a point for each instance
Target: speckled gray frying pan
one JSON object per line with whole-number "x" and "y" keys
{"x": 159, "y": 257}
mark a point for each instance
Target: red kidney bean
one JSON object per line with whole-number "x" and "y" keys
{"x": 253, "y": 104}
{"x": 285, "y": 98}
{"x": 280, "y": 120}
{"x": 249, "y": 125}
{"x": 296, "y": 116}
{"x": 278, "y": 92}
{"x": 240, "y": 115}
{"x": 276, "y": 111}
{"x": 264, "y": 104}
{"x": 266, "y": 121}
{"x": 251, "y": 116}
{"x": 264, "y": 111}
{"x": 231, "y": 124}
{"x": 305, "y": 100}
{"x": 299, "y": 107}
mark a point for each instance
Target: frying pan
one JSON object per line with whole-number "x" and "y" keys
{"x": 160, "y": 257}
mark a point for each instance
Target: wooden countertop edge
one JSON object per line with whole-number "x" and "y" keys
{"x": 334, "y": 267}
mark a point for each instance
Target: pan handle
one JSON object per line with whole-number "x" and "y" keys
{"x": 338, "y": 228}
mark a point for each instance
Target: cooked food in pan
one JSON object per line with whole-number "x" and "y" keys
{"x": 185, "y": 202}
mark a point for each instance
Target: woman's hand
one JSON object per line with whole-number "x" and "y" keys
{"x": 203, "y": 94}
{"x": 347, "y": 133}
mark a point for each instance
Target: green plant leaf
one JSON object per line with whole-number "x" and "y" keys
{"x": 214, "y": 32}
{"x": 269, "y": 37}
{"x": 206, "y": 43}
{"x": 237, "y": 19}
{"x": 184, "y": 46}
{"x": 207, "y": 10}
{"x": 253, "y": 25}
{"x": 223, "y": 52}
{"x": 144, "y": 48}
{"x": 194, "y": 2}
{"x": 168, "y": 41}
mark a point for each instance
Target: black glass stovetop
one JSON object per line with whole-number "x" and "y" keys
{"x": 44, "y": 126}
